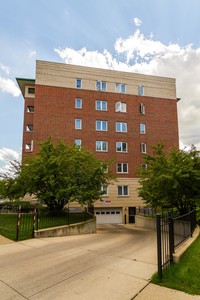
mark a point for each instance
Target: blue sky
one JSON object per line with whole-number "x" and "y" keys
{"x": 159, "y": 37}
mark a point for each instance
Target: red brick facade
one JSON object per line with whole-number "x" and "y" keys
{"x": 55, "y": 113}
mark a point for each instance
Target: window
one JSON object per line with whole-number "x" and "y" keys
{"x": 78, "y": 83}
{"x": 143, "y": 148}
{"x": 120, "y": 107}
{"x": 78, "y": 103}
{"x": 102, "y": 146}
{"x": 101, "y": 125}
{"x": 78, "y": 143}
{"x": 142, "y": 109}
{"x": 30, "y": 109}
{"x": 29, "y": 146}
{"x": 120, "y": 87}
{"x": 29, "y": 128}
{"x": 122, "y": 190}
{"x": 31, "y": 90}
{"x": 121, "y": 147}
{"x": 121, "y": 127}
{"x": 122, "y": 168}
{"x": 141, "y": 90}
{"x": 101, "y": 85}
{"x": 78, "y": 124}
{"x": 104, "y": 189}
{"x": 142, "y": 128}
{"x": 144, "y": 166}
{"x": 101, "y": 105}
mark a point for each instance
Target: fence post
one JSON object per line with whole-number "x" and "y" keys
{"x": 34, "y": 221}
{"x": 171, "y": 237}
{"x": 37, "y": 218}
{"x": 18, "y": 222}
{"x": 159, "y": 251}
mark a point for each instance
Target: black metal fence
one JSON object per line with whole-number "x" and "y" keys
{"x": 183, "y": 227}
{"x": 171, "y": 232}
{"x": 16, "y": 224}
{"x": 147, "y": 211}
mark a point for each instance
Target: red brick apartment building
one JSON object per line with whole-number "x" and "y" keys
{"x": 116, "y": 115}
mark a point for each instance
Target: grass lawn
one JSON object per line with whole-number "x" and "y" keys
{"x": 8, "y": 223}
{"x": 185, "y": 275}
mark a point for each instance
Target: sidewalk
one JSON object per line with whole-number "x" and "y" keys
{"x": 156, "y": 292}
{"x": 4, "y": 240}
{"x": 148, "y": 292}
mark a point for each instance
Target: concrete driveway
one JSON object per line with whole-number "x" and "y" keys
{"x": 115, "y": 263}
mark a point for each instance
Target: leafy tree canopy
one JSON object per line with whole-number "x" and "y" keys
{"x": 171, "y": 179}
{"x": 59, "y": 174}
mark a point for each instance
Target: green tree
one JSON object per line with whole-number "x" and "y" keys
{"x": 171, "y": 179}
{"x": 59, "y": 174}
{"x": 8, "y": 185}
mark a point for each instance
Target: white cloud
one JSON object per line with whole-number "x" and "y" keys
{"x": 142, "y": 54}
{"x": 6, "y": 69}
{"x": 32, "y": 54}
{"x": 9, "y": 86}
{"x": 137, "y": 22}
{"x": 6, "y": 157}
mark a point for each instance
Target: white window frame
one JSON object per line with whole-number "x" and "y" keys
{"x": 78, "y": 103}
{"x": 104, "y": 188}
{"x": 78, "y": 80}
{"x": 101, "y": 85}
{"x": 121, "y": 125}
{"x": 120, "y": 87}
{"x": 103, "y": 146}
{"x": 100, "y": 105}
{"x": 120, "y": 107}
{"x": 124, "y": 190}
{"x": 78, "y": 143}
{"x": 80, "y": 124}
{"x": 120, "y": 145}
{"x": 141, "y": 90}
{"x": 29, "y": 147}
{"x": 123, "y": 167}
{"x": 142, "y": 109}
{"x": 143, "y": 148}
{"x": 142, "y": 128}
{"x": 101, "y": 123}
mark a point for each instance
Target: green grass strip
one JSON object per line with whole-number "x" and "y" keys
{"x": 185, "y": 275}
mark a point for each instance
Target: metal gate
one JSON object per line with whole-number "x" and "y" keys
{"x": 165, "y": 240}
{"x": 171, "y": 232}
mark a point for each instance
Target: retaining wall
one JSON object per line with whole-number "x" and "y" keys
{"x": 145, "y": 222}
{"x": 73, "y": 229}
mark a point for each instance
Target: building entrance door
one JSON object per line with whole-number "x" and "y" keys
{"x": 132, "y": 212}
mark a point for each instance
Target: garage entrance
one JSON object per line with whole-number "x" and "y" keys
{"x": 108, "y": 215}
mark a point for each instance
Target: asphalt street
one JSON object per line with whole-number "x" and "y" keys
{"x": 115, "y": 263}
